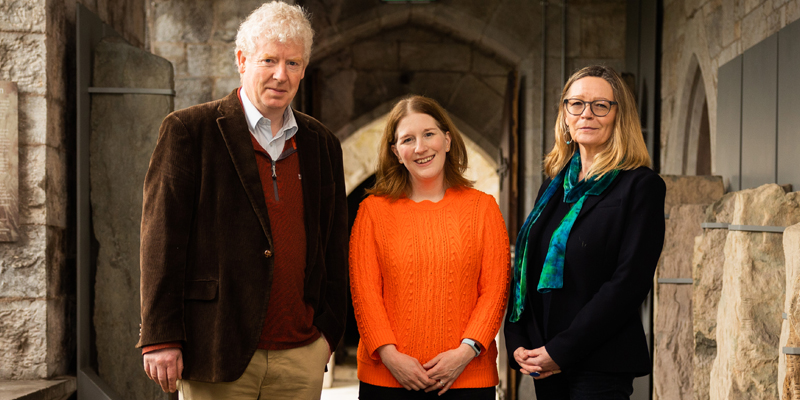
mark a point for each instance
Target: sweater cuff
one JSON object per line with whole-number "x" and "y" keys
{"x": 167, "y": 345}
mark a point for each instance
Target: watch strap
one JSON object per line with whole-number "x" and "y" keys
{"x": 473, "y": 344}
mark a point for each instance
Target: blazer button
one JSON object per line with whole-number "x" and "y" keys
{"x": 267, "y": 253}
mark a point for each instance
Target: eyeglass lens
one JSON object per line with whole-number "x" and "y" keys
{"x": 599, "y": 108}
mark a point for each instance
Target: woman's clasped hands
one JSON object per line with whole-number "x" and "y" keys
{"x": 437, "y": 374}
{"x": 536, "y": 363}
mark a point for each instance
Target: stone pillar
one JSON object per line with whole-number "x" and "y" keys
{"x": 36, "y": 294}
{"x": 752, "y": 298}
{"x": 672, "y": 377}
{"x": 789, "y": 365}
{"x": 124, "y": 133}
{"x": 682, "y": 189}
{"x": 707, "y": 262}
{"x": 685, "y": 204}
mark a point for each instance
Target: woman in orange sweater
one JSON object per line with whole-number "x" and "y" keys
{"x": 429, "y": 264}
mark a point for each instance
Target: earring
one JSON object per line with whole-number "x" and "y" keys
{"x": 565, "y": 139}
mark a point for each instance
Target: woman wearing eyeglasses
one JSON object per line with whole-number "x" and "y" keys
{"x": 586, "y": 255}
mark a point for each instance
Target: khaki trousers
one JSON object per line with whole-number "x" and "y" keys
{"x": 274, "y": 374}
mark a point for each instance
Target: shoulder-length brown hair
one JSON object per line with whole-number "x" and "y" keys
{"x": 392, "y": 178}
{"x": 625, "y": 148}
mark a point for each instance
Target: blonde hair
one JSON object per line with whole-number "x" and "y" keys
{"x": 625, "y": 149}
{"x": 276, "y": 22}
{"x": 392, "y": 178}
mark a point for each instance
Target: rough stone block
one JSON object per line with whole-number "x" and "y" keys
{"x": 23, "y": 61}
{"x": 193, "y": 91}
{"x": 56, "y": 187}
{"x": 673, "y": 304}
{"x": 683, "y": 189}
{"x": 759, "y": 24}
{"x": 32, "y": 183}
{"x": 434, "y": 57}
{"x": 22, "y": 264}
{"x": 223, "y": 60}
{"x": 338, "y": 99}
{"x": 224, "y": 86}
{"x": 199, "y": 61}
{"x": 375, "y": 55}
{"x": 228, "y": 15}
{"x": 483, "y": 64}
{"x": 175, "y": 53}
{"x": 497, "y": 83}
{"x": 183, "y": 21}
{"x": 477, "y": 114}
{"x": 23, "y": 326}
{"x": 22, "y": 16}
{"x": 789, "y": 366}
{"x": 124, "y": 133}
{"x": 707, "y": 262}
{"x": 752, "y": 299}
{"x": 32, "y": 119}
{"x": 512, "y": 27}
{"x": 439, "y": 86}
{"x": 411, "y": 33}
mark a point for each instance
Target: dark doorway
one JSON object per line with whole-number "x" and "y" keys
{"x": 347, "y": 350}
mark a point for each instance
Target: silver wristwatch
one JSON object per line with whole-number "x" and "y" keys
{"x": 473, "y": 344}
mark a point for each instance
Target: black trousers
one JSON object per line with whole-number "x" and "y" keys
{"x": 372, "y": 392}
{"x": 585, "y": 385}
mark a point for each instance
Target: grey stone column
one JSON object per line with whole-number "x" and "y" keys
{"x": 124, "y": 133}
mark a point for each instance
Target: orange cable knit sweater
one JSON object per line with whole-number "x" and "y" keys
{"x": 426, "y": 275}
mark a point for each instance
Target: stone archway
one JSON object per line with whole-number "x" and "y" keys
{"x": 360, "y": 151}
{"x": 689, "y": 148}
{"x": 697, "y": 143}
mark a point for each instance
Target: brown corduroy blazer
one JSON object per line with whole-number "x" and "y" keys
{"x": 206, "y": 265}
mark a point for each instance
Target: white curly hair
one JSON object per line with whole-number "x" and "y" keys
{"x": 276, "y": 21}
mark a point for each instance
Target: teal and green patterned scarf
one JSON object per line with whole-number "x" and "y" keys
{"x": 553, "y": 270}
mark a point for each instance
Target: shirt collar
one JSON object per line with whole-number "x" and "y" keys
{"x": 253, "y": 116}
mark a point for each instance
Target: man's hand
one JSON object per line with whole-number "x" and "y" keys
{"x": 447, "y": 366}
{"x": 406, "y": 369}
{"x": 165, "y": 367}
{"x": 536, "y": 362}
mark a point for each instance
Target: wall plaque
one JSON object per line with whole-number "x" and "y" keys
{"x": 9, "y": 162}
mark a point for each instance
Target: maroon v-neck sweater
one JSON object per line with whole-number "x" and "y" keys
{"x": 289, "y": 321}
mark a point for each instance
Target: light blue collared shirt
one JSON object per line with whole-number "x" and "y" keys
{"x": 261, "y": 127}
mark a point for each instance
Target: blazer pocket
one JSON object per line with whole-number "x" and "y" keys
{"x": 201, "y": 290}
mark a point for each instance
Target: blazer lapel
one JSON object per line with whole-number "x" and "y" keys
{"x": 233, "y": 127}
{"x": 592, "y": 201}
{"x": 308, "y": 153}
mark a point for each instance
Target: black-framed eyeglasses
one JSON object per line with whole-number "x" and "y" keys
{"x": 600, "y": 108}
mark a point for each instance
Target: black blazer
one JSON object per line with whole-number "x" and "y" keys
{"x": 206, "y": 265}
{"x": 611, "y": 257}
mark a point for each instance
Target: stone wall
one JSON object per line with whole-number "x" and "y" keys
{"x": 198, "y": 36}
{"x": 705, "y": 34}
{"x": 37, "y": 273}
{"x": 32, "y": 300}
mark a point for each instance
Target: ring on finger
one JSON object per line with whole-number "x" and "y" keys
{"x": 441, "y": 383}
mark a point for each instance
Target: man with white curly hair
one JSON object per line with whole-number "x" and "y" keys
{"x": 244, "y": 232}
